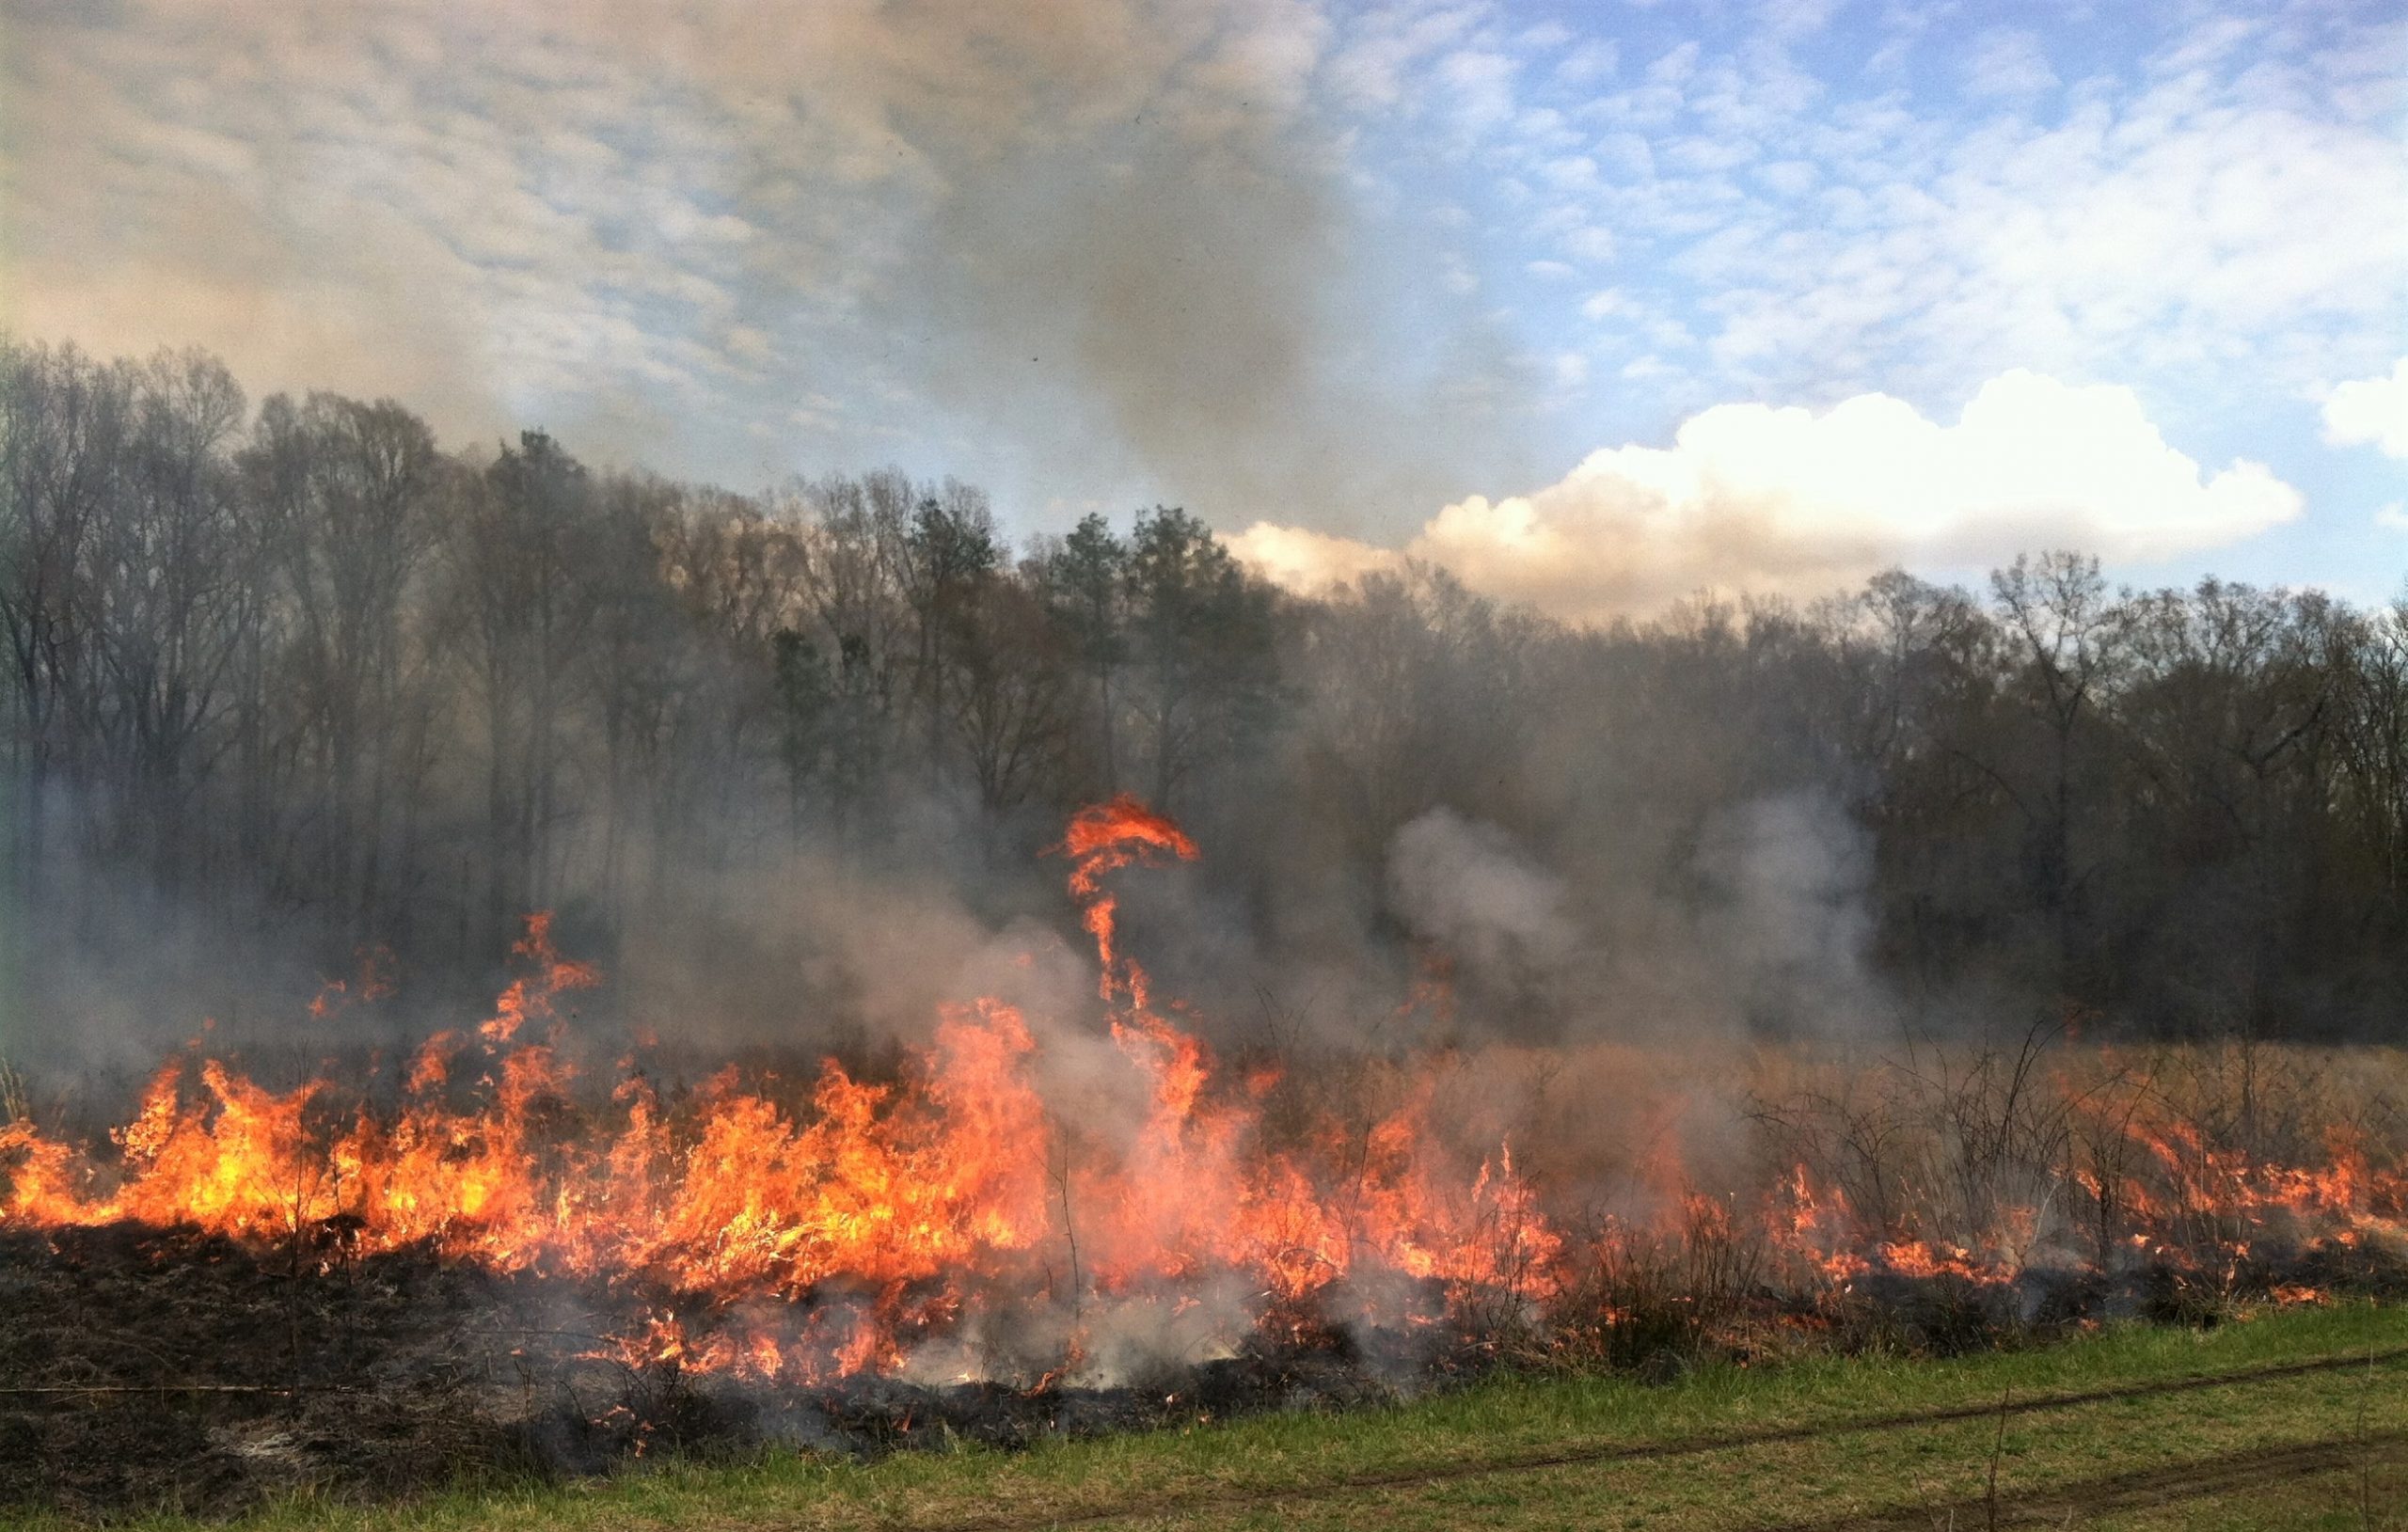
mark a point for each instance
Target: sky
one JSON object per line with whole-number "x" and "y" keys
{"x": 1597, "y": 305}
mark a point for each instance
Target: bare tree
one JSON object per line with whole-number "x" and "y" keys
{"x": 2068, "y": 640}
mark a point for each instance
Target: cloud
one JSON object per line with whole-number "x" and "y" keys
{"x": 2370, "y": 411}
{"x": 2148, "y": 236}
{"x": 1589, "y": 63}
{"x": 2008, "y": 63}
{"x": 2205, "y": 206}
{"x": 1756, "y": 498}
{"x": 1254, "y": 255}
{"x": 1302, "y": 558}
{"x": 1114, "y": 243}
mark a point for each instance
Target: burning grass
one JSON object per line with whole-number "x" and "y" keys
{"x": 1042, "y": 1227}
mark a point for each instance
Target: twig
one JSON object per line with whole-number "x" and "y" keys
{"x": 13, "y": 1101}
{"x": 1070, "y": 1236}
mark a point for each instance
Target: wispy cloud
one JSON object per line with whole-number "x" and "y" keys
{"x": 2227, "y": 201}
{"x": 2008, "y": 63}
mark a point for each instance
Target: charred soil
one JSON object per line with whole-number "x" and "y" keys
{"x": 147, "y": 1369}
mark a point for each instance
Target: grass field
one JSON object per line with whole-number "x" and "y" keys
{"x": 2293, "y": 1420}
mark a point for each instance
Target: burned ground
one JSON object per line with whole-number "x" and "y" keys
{"x": 147, "y": 1368}
{"x": 143, "y": 1369}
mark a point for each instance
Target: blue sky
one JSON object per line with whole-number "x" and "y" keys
{"x": 1596, "y": 304}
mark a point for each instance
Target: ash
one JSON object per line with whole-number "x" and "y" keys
{"x": 146, "y": 1369}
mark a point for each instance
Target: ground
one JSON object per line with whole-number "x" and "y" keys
{"x": 2290, "y": 1420}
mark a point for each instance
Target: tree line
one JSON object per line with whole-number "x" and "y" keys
{"x": 302, "y": 665}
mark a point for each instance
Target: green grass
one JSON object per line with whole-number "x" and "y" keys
{"x": 1510, "y": 1453}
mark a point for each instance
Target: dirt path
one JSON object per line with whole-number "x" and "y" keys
{"x": 2252, "y": 1471}
{"x": 2139, "y": 1489}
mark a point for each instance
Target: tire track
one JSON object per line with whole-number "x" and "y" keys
{"x": 2139, "y": 1489}
{"x": 1219, "y": 1500}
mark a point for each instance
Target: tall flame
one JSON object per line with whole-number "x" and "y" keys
{"x": 1102, "y": 839}
{"x": 872, "y": 1225}
{"x": 833, "y": 1239}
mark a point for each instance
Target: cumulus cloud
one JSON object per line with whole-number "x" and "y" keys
{"x": 1754, "y": 498}
{"x": 1302, "y": 558}
{"x": 2370, "y": 412}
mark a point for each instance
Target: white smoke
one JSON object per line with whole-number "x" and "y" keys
{"x": 1786, "y": 919}
{"x": 1463, "y": 885}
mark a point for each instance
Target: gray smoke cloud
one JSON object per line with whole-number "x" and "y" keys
{"x": 1466, "y": 886}
{"x": 1763, "y": 932}
{"x": 1062, "y": 246}
{"x": 1788, "y": 915}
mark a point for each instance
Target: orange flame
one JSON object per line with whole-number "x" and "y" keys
{"x": 867, "y": 1224}
{"x": 834, "y": 1239}
{"x": 1105, "y": 838}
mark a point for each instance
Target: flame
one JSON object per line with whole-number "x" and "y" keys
{"x": 1102, "y": 839}
{"x": 860, "y": 1223}
{"x": 826, "y": 1241}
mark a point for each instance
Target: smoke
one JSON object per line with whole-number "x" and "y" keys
{"x": 1151, "y": 258}
{"x": 1787, "y": 917}
{"x": 1762, "y": 934}
{"x": 1095, "y": 246}
{"x": 1464, "y": 887}
{"x": 139, "y": 971}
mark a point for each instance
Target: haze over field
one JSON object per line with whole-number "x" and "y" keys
{"x": 1675, "y": 514}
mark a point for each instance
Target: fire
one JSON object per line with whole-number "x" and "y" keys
{"x": 888, "y": 1225}
{"x": 1104, "y": 839}
{"x": 829, "y": 1241}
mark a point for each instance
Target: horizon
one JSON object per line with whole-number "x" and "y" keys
{"x": 1303, "y": 564}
